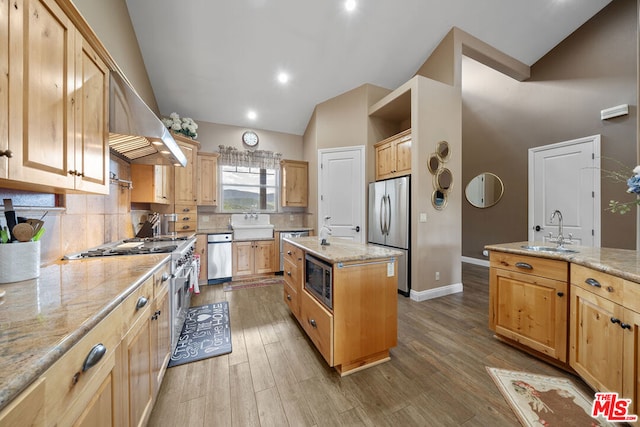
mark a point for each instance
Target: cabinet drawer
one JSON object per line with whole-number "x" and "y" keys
{"x": 135, "y": 303}
{"x": 66, "y": 382}
{"x": 161, "y": 281}
{"x": 543, "y": 267}
{"x": 292, "y": 253}
{"x": 291, "y": 298}
{"x": 186, "y": 211}
{"x": 318, "y": 324}
{"x": 291, "y": 274}
{"x": 602, "y": 284}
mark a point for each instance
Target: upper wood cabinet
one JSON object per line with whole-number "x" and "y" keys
{"x": 393, "y": 156}
{"x": 295, "y": 178}
{"x": 58, "y": 108}
{"x": 151, "y": 184}
{"x": 207, "y": 179}
{"x": 185, "y": 177}
{"x": 4, "y": 88}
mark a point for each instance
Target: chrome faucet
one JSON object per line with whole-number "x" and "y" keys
{"x": 560, "y": 238}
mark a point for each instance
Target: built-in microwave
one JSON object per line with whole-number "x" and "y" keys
{"x": 318, "y": 281}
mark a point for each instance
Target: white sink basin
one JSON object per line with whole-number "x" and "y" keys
{"x": 251, "y": 227}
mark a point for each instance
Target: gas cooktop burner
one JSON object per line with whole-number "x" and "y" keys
{"x": 100, "y": 252}
{"x": 155, "y": 239}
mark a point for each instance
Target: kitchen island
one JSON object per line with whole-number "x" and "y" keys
{"x": 577, "y": 308}
{"x": 48, "y": 326}
{"x": 353, "y": 320}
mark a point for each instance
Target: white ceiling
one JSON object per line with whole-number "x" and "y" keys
{"x": 215, "y": 60}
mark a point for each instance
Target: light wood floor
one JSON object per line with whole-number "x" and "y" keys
{"x": 274, "y": 376}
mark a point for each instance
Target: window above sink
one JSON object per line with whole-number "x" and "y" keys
{"x": 246, "y": 189}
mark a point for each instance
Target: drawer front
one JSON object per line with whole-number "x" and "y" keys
{"x": 292, "y": 253}
{"x": 601, "y": 284}
{"x": 318, "y": 324}
{"x": 66, "y": 382}
{"x": 543, "y": 267}
{"x": 291, "y": 274}
{"x": 161, "y": 281}
{"x": 186, "y": 211}
{"x": 291, "y": 298}
{"x": 135, "y": 303}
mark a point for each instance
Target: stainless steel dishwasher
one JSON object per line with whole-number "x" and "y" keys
{"x": 219, "y": 259}
{"x": 287, "y": 234}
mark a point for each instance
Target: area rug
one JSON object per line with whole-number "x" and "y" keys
{"x": 206, "y": 333}
{"x": 254, "y": 283}
{"x": 540, "y": 400}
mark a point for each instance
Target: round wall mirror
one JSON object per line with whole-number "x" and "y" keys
{"x": 434, "y": 163}
{"x": 444, "y": 180}
{"x": 442, "y": 150}
{"x": 439, "y": 199}
{"x": 484, "y": 190}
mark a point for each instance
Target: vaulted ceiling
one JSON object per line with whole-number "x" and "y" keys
{"x": 215, "y": 61}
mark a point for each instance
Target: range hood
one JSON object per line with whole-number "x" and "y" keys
{"x": 135, "y": 132}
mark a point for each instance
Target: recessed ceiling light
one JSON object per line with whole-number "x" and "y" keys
{"x": 283, "y": 77}
{"x": 350, "y": 5}
{"x": 252, "y": 115}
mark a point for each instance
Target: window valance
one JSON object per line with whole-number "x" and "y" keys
{"x": 231, "y": 156}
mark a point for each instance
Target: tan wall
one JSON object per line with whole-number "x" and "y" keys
{"x": 593, "y": 69}
{"x": 111, "y": 22}
{"x": 212, "y": 135}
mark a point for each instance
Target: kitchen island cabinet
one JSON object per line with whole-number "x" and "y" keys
{"x": 75, "y": 308}
{"x": 360, "y": 327}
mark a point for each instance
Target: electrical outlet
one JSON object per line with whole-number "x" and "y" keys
{"x": 437, "y": 275}
{"x": 290, "y": 217}
{"x": 205, "y": 218}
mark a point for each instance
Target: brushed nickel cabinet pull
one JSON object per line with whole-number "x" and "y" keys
{"x": 593, "y": 282}
{"x": 524, "y": 265}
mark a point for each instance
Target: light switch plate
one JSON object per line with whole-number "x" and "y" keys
{"x": 423, "y": 217}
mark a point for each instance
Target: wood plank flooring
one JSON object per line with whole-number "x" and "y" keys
{"x": 275, "y": 377}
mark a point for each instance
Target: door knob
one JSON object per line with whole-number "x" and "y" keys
{"x": 538, "y": 228}
{"x": 356, "y": 228}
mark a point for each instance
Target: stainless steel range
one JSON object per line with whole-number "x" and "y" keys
{"x": 184, "y": 268}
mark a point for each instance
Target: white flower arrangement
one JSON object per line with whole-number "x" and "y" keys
{"x": 185, "y": 125}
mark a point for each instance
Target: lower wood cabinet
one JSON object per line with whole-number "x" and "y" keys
{"x": 202, "y": 249}
{"x": 111, "y": 376}
{"x": 253, "y": 257}
{"x": 528, "y": 302}
{"x": 605, "y": 328}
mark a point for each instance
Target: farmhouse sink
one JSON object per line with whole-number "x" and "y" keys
{"x": 560, "y": 250}
{"x": 251, "y": 226}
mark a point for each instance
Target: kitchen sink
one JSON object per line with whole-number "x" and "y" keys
{"x": 251, "y": 226}
{"x": 555, "y": 249}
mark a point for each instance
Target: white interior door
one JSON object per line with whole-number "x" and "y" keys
{"x": 566, "y": 177}
{"x": 341, "y": 192}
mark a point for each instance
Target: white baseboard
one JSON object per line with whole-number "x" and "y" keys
{"x": 436, "y": 292}
{"x": 476, "y": 261}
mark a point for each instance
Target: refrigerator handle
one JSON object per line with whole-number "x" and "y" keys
{"x": 382, "y": 215}
{"x": 389, "y": 213}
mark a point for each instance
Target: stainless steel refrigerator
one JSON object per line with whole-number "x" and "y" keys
{"x": 389, "y": 216}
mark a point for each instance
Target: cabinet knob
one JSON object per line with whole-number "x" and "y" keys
{"x": 625, "y": 326}
{"x": 165, "y": 277}
{"x": 289, "y": 273}
{"x": 560, "y": 294}
{"x": 312, "y": 322}
{"x": 288, "y": 252}
{"x": 289, "y": 297}
{"x": 615, "y": 320}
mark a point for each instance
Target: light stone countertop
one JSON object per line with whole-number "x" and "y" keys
{"x": 41, "y": 319}
{"x": 623, "y": 263}
{"x": 341, "y": 250}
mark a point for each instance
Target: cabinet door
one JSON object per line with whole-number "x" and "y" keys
{"x": 318, "y": 324}
{"x": 41, "y": 93}
{"x": 202, "y": 249}
{"x": 99, "y": 410}
{"x": 530, "y": 310}
{"x": 161, "y": 185}
{"x": 184, "y": 179}
{"x": 92, "y": 109}
{"x": 264, "y": 256}
{"x": 243, "y": 258}
{"x": 295, "y": 176}
{"x": 596, "y": 346}
{"x": 27, "y": 410}
{"x": 403, "y": 155}
{"x": 4, "y": 87}
{"x": 207, "y": 179}
{"x": 161, "y": 329}
{"x": 384, "y": 161}
{"x": 138, "y": 369}
{"x": 631, "y": 369}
